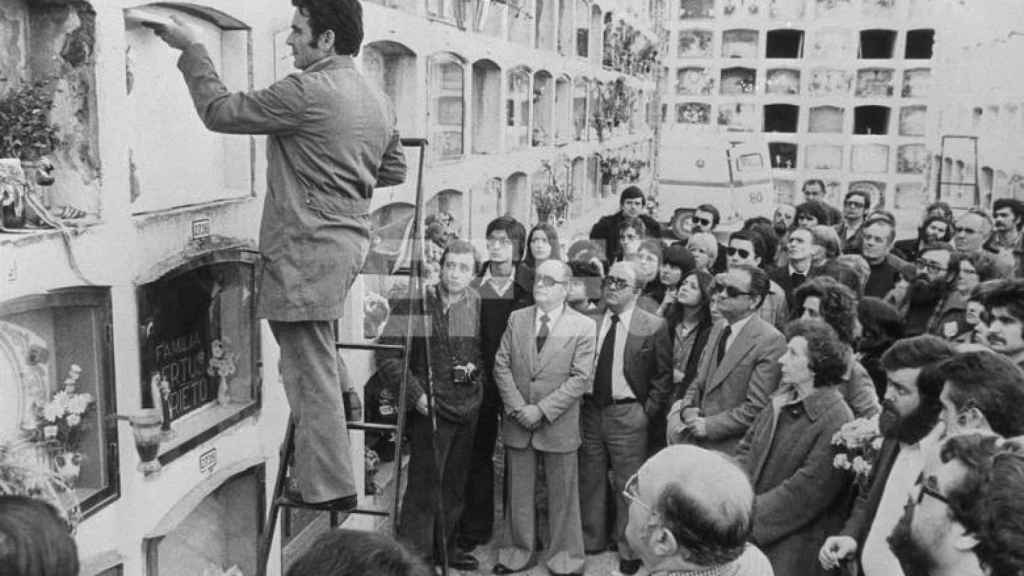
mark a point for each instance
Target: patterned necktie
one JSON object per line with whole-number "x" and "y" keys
{"x": 720, "y": 352}
{"x": 603, "y": 372}
{"x": 542, "y": 334}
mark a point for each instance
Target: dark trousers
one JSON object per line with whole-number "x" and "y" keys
{"x": 419, "y": 524}
{"x": 477, "y": 523}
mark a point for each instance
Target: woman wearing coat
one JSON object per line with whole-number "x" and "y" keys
{"x": 788, "y": 452}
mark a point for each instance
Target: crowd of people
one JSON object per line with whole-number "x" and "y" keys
{"x": 591, "y": 358}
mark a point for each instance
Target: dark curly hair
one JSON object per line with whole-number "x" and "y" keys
{"x": 827, "y": 357}
{"x": 838, "y": 304}
{"x": 343, "y": 17}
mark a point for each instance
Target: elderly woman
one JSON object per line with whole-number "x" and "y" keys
{"x": 704, "y": 248}
{"x": 788, "y": 452}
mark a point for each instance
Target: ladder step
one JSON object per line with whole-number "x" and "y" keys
{"x": 371, "y": 427}
{"x": 357, "y": 346}
{"x": 413, "y": 141}
{"x": 285, "y": 502}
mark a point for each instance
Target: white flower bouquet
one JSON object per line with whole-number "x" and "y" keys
{"x": 62, "y": 419}
{"x": 856, "y": 445}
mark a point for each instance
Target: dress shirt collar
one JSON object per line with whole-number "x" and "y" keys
{"x": 500, "y": 284}
{"x": 553, "y": 316}
{"x": 738, "y": 325}
{"x": 625, "y": 317}
{"x": 805, "y": 272}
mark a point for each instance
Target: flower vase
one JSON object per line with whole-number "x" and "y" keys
{"x": 223, "y": 392}
{"x": 146, "y": 427}
{"x": 68, "y": 465}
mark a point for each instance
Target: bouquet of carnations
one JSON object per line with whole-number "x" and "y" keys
{"x": 857, "y": 444}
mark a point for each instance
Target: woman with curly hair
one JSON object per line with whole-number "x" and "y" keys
{"x": 788, "y": 452}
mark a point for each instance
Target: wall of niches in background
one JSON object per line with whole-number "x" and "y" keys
{"x": 52, "y": 43}
{"x": 837, "y": 90}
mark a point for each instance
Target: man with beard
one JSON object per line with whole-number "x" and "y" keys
{"x": 936, "y": 228}
{"x": 932, "y": 304}
{"x": 908, "y": 424}
{"x": 1005, "y": 305}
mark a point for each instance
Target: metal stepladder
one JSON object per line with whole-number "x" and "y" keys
{"x": 278, "y": 500}
{"x": 943, "y": 188}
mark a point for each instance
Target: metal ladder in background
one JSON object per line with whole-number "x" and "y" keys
{"x": 278, "y": 500}
{"x": 940, "y": 184}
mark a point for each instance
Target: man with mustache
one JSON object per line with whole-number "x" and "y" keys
{"x": 908, "y": 424}
{"x": 1005, "y": 305}
{"x": 931, "y": 303}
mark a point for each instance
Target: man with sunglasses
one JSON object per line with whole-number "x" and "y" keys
{"x": 705, "y": 219}
{"x": 690, "y": 512}
{"x": 632, "y": 378}
{"x": 749, "y": 247}
{"x": 331, "y": 139}
{"x": 738, "y": 371}
{"x": 542, "y": 368}
{"x": 855, "y": 208}
{"x": 632, "y": 204}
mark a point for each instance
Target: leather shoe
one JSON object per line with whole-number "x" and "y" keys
{"x": 463, "y": 561}
{"x": 500, "y": 568}
{"x": 292, "y": 498}
{"x": 629, "y": 567}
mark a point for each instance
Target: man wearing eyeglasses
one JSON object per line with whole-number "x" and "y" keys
{"x": 855, "y": 207}
{"x": 542, "y": 368}
{"x": 705, "y": 219}
{"x": 748, "y": 247}
{"x": 631, "y": 379}
{"x": 738, "y": 371}
{"x": 631, "y": 205}
{"x": 931, "y": 304}
{"x": 690, "y": 512}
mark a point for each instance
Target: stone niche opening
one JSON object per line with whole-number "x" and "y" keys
{"x": 52, "y": 44}
{"x": 214, "y": 527}
{"x": 199, "y": 344}
{"x": 486, "y": 107}
{"x": 174, "y": 160}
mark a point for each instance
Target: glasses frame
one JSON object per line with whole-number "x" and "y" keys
{"x": 620, "y": 283}
{"x": 630, "y": 494}
{"x": 729, "y": 290}
{"x": 743, "y": 252}
{"x": 548, "y": 282}
{"x": 923, "y": 489}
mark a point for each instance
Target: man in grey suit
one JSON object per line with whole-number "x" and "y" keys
{"x": 738, "y": 371}
{"x": 632, "y": 376}
{"x": 542, "y": 369}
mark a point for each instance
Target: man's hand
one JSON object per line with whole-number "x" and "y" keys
{"x": 529, "y": 417}
{"x": 690, "y": 415}
{"x": 177, "y": 34}
{"x": 835, "y": 550}
{"x": 699, "y": 428}
{"x": 421, "y": 404}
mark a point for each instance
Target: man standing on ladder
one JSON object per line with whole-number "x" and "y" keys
{"x": 331, "y": 138}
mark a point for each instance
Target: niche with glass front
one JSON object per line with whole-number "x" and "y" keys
{"x": 543, "y": 100}
{"x": 199, "y": 346}
{"x": 174, "y": 160}
{"x": 57, "y": 387}
{"x": 823, "y": 157}
{"x": 694, "y": 81}
{"x": 563, "y": 109}
{"x": 579, "y": 109}
{"x": 870, "y": 158}
{"x": 875, "y": 83}
{"x": 486, "y": 107}
{"x": 447, "y": 110}
{"x": 739, "y": 44}
{"x": 916, "y": 83}
{"x": 691, "y": 9}
{"x": 913, "y": 120}
{"x": 825, "y": 119}
{"x": 517, "y": 109}
{"x": 694, "y": 44}
{"x": 738, "y": 81}
{"x": 784, "y": 81}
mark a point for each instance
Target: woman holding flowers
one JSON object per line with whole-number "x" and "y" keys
{"x": 788, "y": 452}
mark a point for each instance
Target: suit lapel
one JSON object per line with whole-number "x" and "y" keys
{"x": 551, "y": 349}
{"x": 744, "y": 342}
{"x": 527, "y": 334}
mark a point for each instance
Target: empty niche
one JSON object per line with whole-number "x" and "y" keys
{"x": 832, "y": 44}
{"x": 738, "y": 81}
{"x": 690, "y": 9}
{"x": 919, "y": 44}
{"x": 910, "y": 196}
{"x": 693, "y": 113}
{"x": 823, "y": 157}
{"x": 784, "y": 81}
{"x": 517, "y": 198}
{"x": 825, "y": 119}
{"x": 871, "y": 120}
{"x": 517, "y": 109}
{"x": 486, "y": 107}
{"x": 916, "y": 83}
{"x": 739, "y": 44}
{"x": 781, "y": 117}
{"x": 833, "y": 8}
{"x": 392, "y": 66}
{"x": 543, "y": 101}
{"x": 582, "y": 17}
{"x": 783, "y": 155}
{"x": 913, "y": 120}
{"x": 786, "y": 9}
{"x": 738, "y": 117}
{"x": 175, "y": 160}
{"x": 874, "y": 83}
{"x": 563, "y": 109}
{"x": 911, "y": 159}
{"x": 694, "y": 81}
{"x": 785, "y": 43}
{"x": 447, "y": 95}
{"x": 694, "y": 44}
{"x": 872, "y": 158}
{"x": 829, "y": 82}
{"x": 876, "y": 44}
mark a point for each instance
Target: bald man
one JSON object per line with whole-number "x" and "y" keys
{"x": 690, "y": 512}
{"x": 542, "y": 368}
